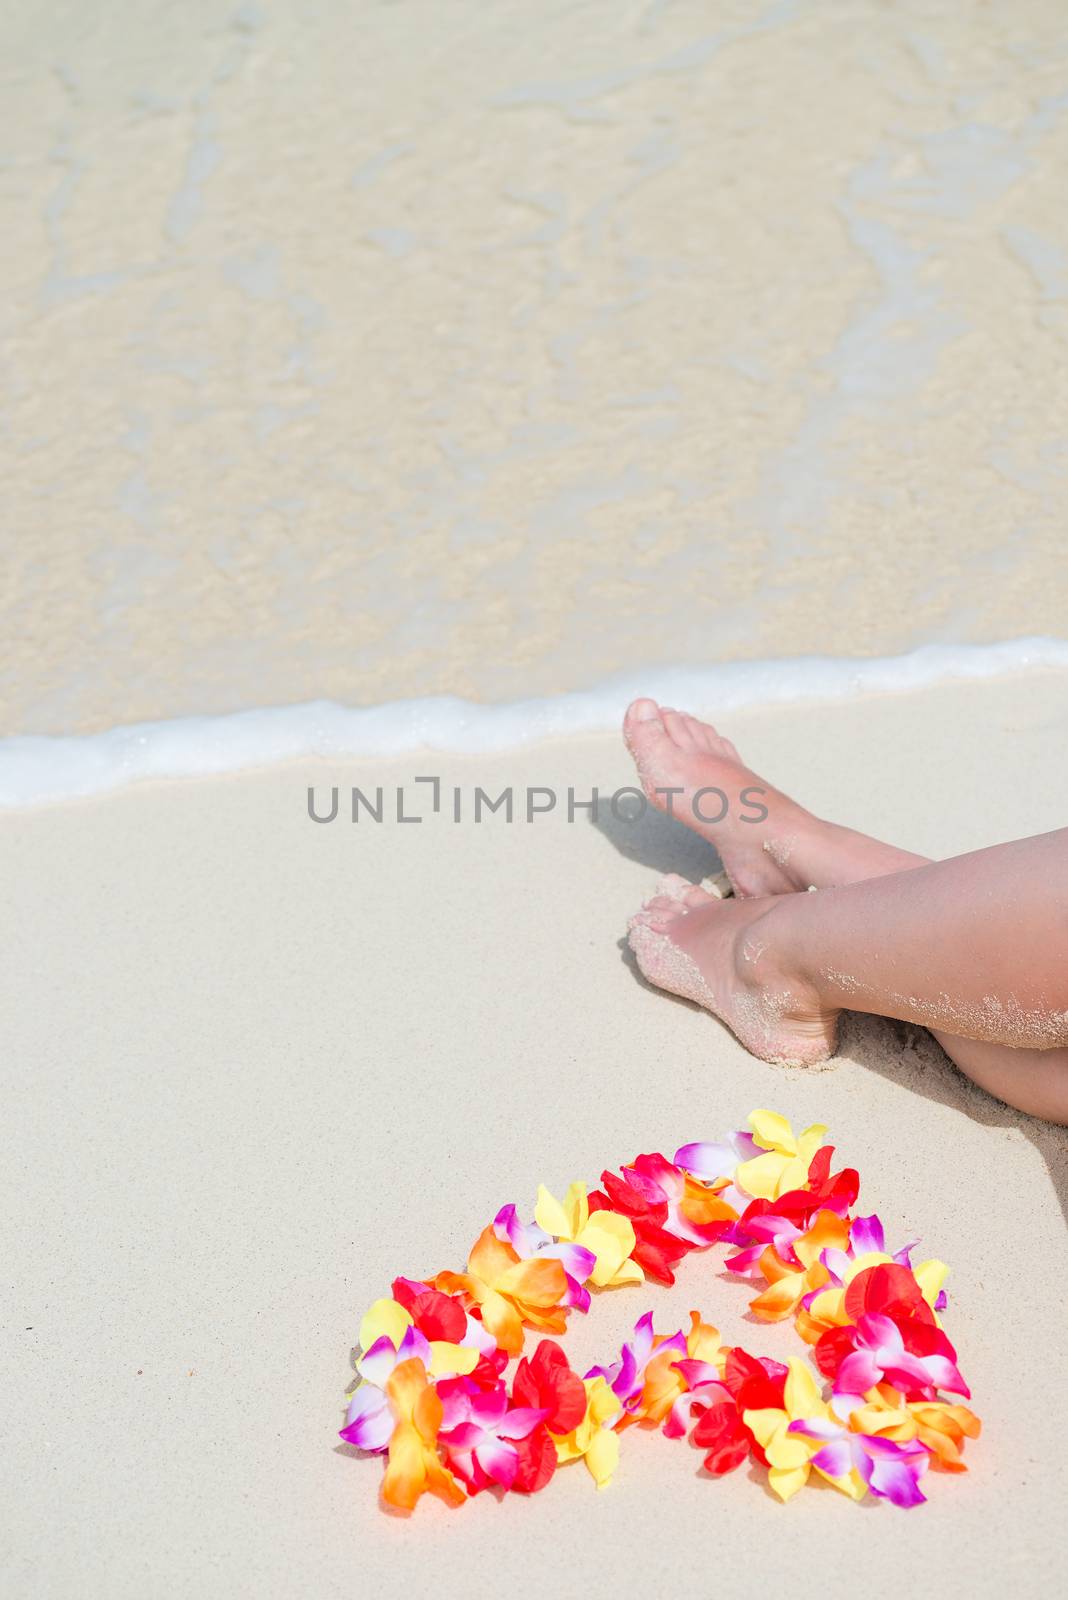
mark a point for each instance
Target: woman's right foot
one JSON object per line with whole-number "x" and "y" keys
{"x": 768, "y": 844}
{"x": 722, "y": 954}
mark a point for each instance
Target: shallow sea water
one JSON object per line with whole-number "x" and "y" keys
{"x": 381, "y": 351}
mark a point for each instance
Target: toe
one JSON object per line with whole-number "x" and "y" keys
{"x": 677, "y": 730}
{"x": 673, "y": 886}
{"x": 658, "y": 912}
{"x": 696, "y": 896}
{"x": 698, "y": 732}
{"x": 656, "y": 921}
{"x": 640, "y": 712}
{"x": 648, "y": 742}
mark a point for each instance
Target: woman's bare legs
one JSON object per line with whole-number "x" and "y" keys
{"x": 976, "y": 948}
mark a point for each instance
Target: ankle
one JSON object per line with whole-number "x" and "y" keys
{"x": 768, "y": 957}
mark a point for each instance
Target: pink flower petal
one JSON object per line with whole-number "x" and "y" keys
{"x": 498, "y": 1461}
{"x": 520, "y": 1421}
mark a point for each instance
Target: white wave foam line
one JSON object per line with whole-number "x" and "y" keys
{"x": 35, "y": 768}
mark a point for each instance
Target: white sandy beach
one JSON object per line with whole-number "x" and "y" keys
{"x": 372, "y": 352}
{"x": 254, "y": 1067}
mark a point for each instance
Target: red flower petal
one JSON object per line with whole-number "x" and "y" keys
{"x": 438, "y": 1316}
{"x": 547, "y": 1382}
{"x": 832, "y": 1348}
{"x": 721, "y": 1431}
{"x": 537, "y": 1460}
{"x": 633, "y": 1196}
{"x": 888, "y": 1289}
{"x": 488, "y": 1370}
{"x": 759, "y": 1380}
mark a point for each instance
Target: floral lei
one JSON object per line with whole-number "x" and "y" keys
{"x": 433, "y": 1394}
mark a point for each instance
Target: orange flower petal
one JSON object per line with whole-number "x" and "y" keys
{"x": 405, "y": 1477}
{"x": 490, "y": 1257}
{"x": 502, "y": 1320}
{"x": 779, "y": 1299}
{"x": 540, "y": 1282}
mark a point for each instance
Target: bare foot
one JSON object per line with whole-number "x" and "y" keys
{"x": 721, "y": 954}
{"x": 769, "y": 845}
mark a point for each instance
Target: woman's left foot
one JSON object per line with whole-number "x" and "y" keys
{"x": 768, "y": 844}
{"x": 690, "y": 771}
{"x": 721, "y": 954}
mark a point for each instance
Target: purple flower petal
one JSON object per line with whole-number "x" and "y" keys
{"x": 576, "y": 1260}
{"x": 896, "y": 1479}
{"x": 835, "y": 1459}
{"x": 626, "y": 1378}
{"x": 642, "y": 1342}
{"x": 707, "y": 1161}
{"x": 867, "y": 1237}
{"x": 370, "y": 1424}
{"x": 837, "y": 1264}
{"x": 816, "y": 1428}
{"x": 376, "y": 1364}
{"x": 414, "y": 1344}
{"x": 576, "y": 1295}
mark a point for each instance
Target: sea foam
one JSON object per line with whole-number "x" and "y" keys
{"x": 36, "y": 768}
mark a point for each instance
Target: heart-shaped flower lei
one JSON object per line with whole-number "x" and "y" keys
{"x": 434, "y": 1396}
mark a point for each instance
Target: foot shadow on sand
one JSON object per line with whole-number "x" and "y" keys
{"x": 657, "y": 841}
{"x": 921, "y": 1065}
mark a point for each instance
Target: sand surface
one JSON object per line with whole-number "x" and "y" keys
{"x": 252, "y": 1067}
{"x": 375, "y": 350}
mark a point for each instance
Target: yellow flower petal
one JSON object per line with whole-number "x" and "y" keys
{"x": 788, "y": 1451}
{"x": 810, "y": 1142}
{"x": 577, "y": 1207}
{"x": 603, "y": 1403}
{"x": 611, "y": 1238}
{"x": 772, "y": 1132}
{"x": 551, "y": 1215}
{"x": 629, "y": 1272}
{"x": 786, "y": 1482}
{"x": 446, "y": 1359}
{"x": 703, "y": 1341}
{"x": 801, "y": 1394}
{"x": 892, "y": 1420}
{"x": 870, "y": 1258}
{"x": 852, "y": 1484}
{"x": 930, "y": 1275}
{"x": 763, "y": 1424}
{"x": 829, "y": 1306}
{"x": 760, "y": 1177}
{"x": 386, "y": 1318}
{"x": 602, "y": 1458}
